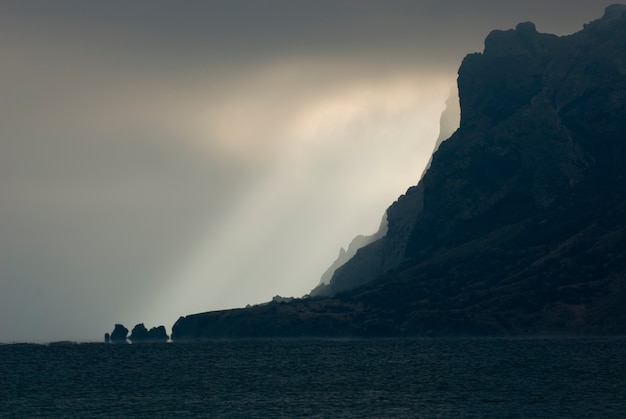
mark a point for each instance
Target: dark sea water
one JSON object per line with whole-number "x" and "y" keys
{"x": 449, "y": 378}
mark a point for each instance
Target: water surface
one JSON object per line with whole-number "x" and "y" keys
{"x": 318, "y": 378}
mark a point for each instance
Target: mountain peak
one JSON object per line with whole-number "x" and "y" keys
{"x": 614, "y": 11}
{"x": 526, "y": 28}
{"x": 524, "y": 39}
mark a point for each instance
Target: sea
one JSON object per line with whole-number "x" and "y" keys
{"x": 388, "y": 378}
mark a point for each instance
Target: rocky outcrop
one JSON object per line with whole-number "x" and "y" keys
{"x": 385, "y": 253}
{"x": 119, "y": 334}
{"x": 142, "y": 335}
{"x": 357, "y": 243}
{"x": 517, "y": 227}
{"x": 139, "y": 334}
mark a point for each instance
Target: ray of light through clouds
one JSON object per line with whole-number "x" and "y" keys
{"x": 160, "y": 158}
{"x": 330, "y": 181}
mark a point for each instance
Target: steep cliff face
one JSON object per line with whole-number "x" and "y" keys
{"x": 539, "y": 115}
{"x": 387, "y": 252}
{"x": 357, "y": 243}
{"x": 518, "y": 226}
{"x": 448, "y": 124}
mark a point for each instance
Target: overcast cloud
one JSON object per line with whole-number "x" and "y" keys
{"x": 160, "y": 158}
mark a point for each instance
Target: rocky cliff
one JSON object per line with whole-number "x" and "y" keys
{"x": 357, "y": 243}
{"x": 519, "y": 224}
{"x": 448, "y": 124}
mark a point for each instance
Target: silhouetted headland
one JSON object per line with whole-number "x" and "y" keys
{"x": 518, "y": 227}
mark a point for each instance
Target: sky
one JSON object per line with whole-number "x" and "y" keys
{"x": 163, "y": 158}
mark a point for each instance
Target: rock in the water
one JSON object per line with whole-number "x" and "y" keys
{"x": 158, "y": 334}
{"x": 140, "y": 334}
{"x": 119, "y": 334}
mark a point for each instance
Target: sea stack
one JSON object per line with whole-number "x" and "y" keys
{"x": 119, "y": 334}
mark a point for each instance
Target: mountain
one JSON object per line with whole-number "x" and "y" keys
{"x": 519, "y": 224}
{"x": 345, "y": 255}
{"x": 448, "y": 123}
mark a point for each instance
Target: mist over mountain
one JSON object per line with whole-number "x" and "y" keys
{"x": 448, "y": 123}
{"x": 517, "y": 227}
{"x": 347, "y": 254}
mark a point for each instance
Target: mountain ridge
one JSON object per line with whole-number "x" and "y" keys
{"x": 518, "y": 225}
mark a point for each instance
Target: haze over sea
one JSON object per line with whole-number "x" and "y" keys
{"x": 463, "y": 377}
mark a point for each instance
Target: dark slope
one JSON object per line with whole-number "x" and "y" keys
{"x": 519, "y": 225}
